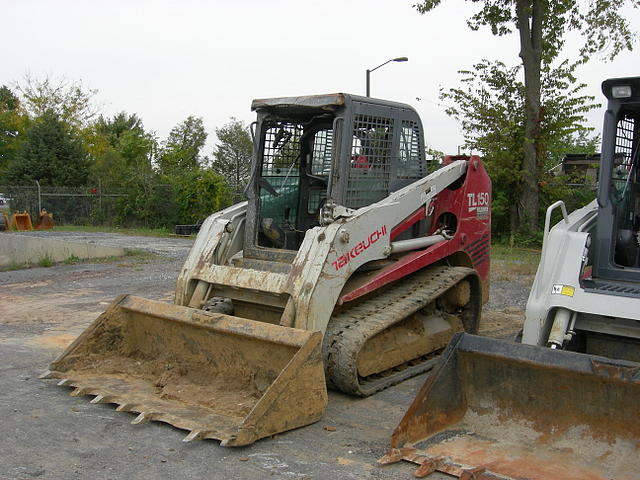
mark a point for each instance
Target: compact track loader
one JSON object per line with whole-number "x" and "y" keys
{"x": 347, "y": 266}
{"x": 564, "y": 403}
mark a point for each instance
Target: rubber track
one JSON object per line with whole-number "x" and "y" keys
{"x": 348, "y": 331}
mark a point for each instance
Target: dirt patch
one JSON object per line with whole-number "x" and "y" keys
{"x": 54, "y": 341}
{"x": 47, "y": 308}
{"x": 511, "y": 280}
{"x": 501, "y": 323}
{"x": 510, "y": 447}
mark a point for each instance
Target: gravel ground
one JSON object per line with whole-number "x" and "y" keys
{"x": 50, "y": 435}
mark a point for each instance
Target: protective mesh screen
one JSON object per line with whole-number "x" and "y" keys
{"x": 625, "y": 141}
{"x": 624, "y": 176}
{"x": 281, "y": 150}
{"x": 321, "y": 154}
{"x": 623, "y": 153}
{"x": 410, "y": 164}
{"x": 370, "y": 160}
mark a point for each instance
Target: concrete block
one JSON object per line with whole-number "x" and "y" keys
{"x": 22, "y": 249}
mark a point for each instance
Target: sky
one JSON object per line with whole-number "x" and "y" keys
{"x": 165, "y": 60}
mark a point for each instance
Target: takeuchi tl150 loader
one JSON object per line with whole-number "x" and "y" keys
{"x": 346, "y": 267}
{"x": 565, "y": 403}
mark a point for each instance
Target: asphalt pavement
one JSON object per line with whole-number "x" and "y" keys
{"x": 48, "y": 434}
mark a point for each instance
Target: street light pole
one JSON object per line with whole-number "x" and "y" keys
{"x": 398, "y": 59}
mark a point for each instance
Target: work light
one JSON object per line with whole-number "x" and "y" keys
{"x": 621, "y": 91}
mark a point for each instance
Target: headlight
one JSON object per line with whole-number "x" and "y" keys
{"x": 621, "y": 91}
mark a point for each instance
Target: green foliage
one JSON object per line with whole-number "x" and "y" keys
{"x": 146, "y": 200}
{"x": 572, "y": 191}
{"x": 50, "y": 153}
{"x": 49, "y": 132}
{"x": 69, "y": 101}
{"x": 490, "y": 106}
{"x": 433, "y": 158}
{"x": 198, "y": 194}
{"x": 45, "y": 261}
{"x": 602, "y": 24}
{"x": 13, "y": 123}
{"x": 72, "y": 259}
{"x": 181, "y": 151}
{"x": 232, "y": 154}
{"x": 581, "y": 141}
{"x": 542, "y": 26}
{"x": 112, "y": 129}
{"x": 111, "y": 143}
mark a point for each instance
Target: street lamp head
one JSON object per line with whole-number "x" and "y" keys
{"x": 397, "y": 59}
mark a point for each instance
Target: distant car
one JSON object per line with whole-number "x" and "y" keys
{"x": 4, "y": 201}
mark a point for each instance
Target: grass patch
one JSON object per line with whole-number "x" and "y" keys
{"x": 72, "y": 260}
{"x": 45, "y": 261}
{"x": 13, "y": 266}
{"x": 509, "y": 260}
{"x": 131, "y": 258}
{"x": 502, "y": 252}
{"x": 141, "y": 232}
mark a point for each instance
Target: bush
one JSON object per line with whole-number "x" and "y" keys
{"x": 198, "y": 194}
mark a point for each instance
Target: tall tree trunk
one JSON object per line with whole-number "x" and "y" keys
{"x": 529, "y": 15}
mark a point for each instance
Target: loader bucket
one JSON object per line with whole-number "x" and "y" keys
{"x": 45, "y": 221}
{"x": 500, "y": 410}
{"x": 217, "y": 376}
{"x": 20, "y": 222}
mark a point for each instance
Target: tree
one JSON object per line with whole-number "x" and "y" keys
{"x": 69, "y": 101}
{"x": 113, "y": 128}
{"x": 232, "y": 154}
{"x": 51, "y": 154}
{"x": 181, "y": 151}
{"x": 13, "y": 123}
{"x": 120, "y": 149}
{"x": 199, "y": 193}
{"x": 490, "y": 105}
{"x": 541, "y": 25}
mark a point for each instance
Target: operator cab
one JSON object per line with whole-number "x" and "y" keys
{"x": 618, "y": 224}
{"x": 308, "y": 151}
{"x": 293, "y": 180}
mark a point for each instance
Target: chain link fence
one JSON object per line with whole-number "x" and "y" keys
{"x": 156, "y": 207}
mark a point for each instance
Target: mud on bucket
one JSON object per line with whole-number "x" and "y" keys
{"x": 215, "y": 375}
{"x": 496, "y": 409}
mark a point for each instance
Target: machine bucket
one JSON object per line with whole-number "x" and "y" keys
{"x": 215, "y": 375}
{"x": 20, "y": 222}
{"x": 499, "y": 410}
{"x": 45, "y": 221}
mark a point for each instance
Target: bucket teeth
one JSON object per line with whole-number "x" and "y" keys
{"x": 48, "y": 374}
{"x": 79, "y": 391}
{"x": 101, "y": 399}
{"x": 124, "y": 407}
{"x": 193, "y": 435}
{"x": 428, "y": 466}
{"x": 395, "y": 455}
{"x": 144, "y": 417}
{"x": 64, "y": 382}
